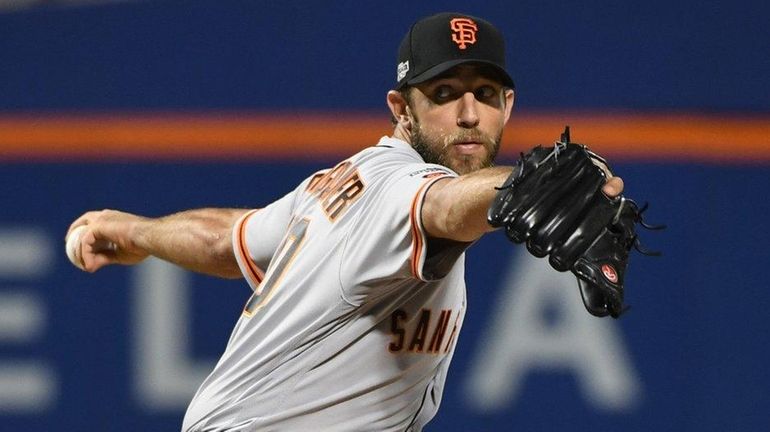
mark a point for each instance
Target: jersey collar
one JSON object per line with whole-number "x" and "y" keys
{"x": 391, "y": 142}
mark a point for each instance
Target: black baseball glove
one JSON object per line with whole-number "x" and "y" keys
{"x": 554, "y": 203}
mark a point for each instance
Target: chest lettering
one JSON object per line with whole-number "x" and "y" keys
{"x": 427, "y": 334}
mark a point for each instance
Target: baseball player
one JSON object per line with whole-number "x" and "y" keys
{"x": 357, "y": 273}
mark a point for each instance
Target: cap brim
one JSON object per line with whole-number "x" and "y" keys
{"x": 443, "y": 67}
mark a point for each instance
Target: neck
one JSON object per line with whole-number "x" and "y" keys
{"x": 402, "y": 133}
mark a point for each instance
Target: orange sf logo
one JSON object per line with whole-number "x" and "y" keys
{"x": 463, "y": 31}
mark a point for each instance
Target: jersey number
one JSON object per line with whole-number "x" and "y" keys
{"x": 287, "y": 251}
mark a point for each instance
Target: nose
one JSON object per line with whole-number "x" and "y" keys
{"x": 468, "y": 117}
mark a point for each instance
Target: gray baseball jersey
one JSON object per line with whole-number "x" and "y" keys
{"x": 355, "y": 311}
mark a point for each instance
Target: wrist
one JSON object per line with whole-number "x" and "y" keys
{"x": 138, "y": 235}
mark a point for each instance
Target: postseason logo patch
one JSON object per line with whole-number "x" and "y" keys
{"x": 403, "y": 68}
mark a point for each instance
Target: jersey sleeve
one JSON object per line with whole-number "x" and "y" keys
{"x": 257, "y": 235}
{"x": 389, "y": 240}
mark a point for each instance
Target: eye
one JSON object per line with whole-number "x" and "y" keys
{"x": 443, "y": 92}
{"x": 484, "y": 93}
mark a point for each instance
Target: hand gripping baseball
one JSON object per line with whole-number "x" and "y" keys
{"x": 554, "y": 203}
{"x": 100, "y": 238}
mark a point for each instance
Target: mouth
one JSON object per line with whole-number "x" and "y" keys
{"x": 468, "y": 147}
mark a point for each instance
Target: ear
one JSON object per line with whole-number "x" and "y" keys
{"x": 509, "y": 97}
{"x": 399, "y": 108}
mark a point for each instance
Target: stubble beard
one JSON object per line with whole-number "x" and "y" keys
{"x": 437, "y": 150}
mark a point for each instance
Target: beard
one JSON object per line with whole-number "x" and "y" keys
{"x": 438, "y": 149}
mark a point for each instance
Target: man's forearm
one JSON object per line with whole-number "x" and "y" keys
{"x": 198, "y": 240}
{"x": 457, "y": 208}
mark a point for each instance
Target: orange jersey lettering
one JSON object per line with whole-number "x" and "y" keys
{"x": 337, "y": 189}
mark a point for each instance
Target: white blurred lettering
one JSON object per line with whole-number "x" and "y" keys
{"x": 166, "y": 377}
{"x": 522, "y": 339}
{"x": 26, "y": 386}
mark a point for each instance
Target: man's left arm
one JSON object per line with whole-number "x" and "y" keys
{"x": 456, "y": 208}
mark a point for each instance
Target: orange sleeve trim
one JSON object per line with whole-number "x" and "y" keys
{"x": 253, "y": 272}
{"x": 418, "y": 235}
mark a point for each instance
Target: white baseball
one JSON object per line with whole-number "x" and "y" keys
{"x": 73, "y": 246}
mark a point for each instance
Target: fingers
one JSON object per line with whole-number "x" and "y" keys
{"x": 87, "y": 251}
{"x": 95, "y": 250}
{"x": 85, "y": 219}
{"x": 93, "y": 254}
{"x": 613, "y": 187}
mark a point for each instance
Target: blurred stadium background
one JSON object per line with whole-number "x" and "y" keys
{"x": 156, "y": 106}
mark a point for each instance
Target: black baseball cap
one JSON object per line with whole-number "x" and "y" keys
{"x": 440, "y": 42}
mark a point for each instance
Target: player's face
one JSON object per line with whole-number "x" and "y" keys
{"x": 457, "y": 119}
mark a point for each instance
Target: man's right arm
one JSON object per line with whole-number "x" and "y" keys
{"x": 198, "y": 240}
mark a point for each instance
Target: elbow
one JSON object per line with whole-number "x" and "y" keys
{"x": 220, "y": 246}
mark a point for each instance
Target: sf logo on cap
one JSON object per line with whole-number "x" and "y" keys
{"x": 463, "y": 31}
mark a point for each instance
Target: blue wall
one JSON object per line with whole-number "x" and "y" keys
{"x": 651, "y": 55}
{"x": 689, "y": 356}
